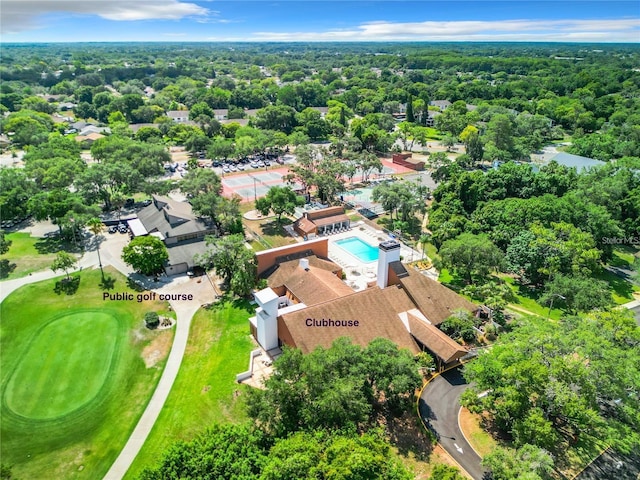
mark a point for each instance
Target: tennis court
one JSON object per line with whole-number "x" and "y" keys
{"x": 256, "y": 184}
{"x": 252, "y": 185}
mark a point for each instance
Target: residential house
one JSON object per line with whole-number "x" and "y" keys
{"x": 175, "y": 223}
{"x": 178, "y": 116}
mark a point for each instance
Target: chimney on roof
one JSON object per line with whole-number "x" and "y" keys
{"x": 304, "y": 264}
{"x": 388, "y": 252}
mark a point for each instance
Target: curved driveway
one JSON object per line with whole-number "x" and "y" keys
{"x": 439, "y": 406}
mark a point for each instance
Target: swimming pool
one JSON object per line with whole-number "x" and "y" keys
{"x": 359, "y": 249}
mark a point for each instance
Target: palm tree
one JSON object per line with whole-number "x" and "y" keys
{"x": 95, "y": 226}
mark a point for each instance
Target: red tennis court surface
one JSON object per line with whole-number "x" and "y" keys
{"x": 256, "y": 183}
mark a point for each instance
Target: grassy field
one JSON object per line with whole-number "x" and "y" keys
{"x": 480, "y": 440}
{"x": 205, "y": 391}
{"x": 77, "y": 372}
{"x": 29, "y": 254}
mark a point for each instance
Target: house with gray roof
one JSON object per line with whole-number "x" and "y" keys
{"x": 576, "y": 161}
{"x": 179, "y": 116}
{"x": 181, "y": 230}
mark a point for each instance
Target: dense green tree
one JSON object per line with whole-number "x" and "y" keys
{"x": 279, "y": 200}
{"x": 145, "y": 158}
{"x": 107, "y": 181}
{"x": 525, "y": 463}
{"x": 146, "y": 255}
{"x": 55, "y": 163}
{"x": 474, "y": 147}
{"x": 203, "y": 188}
{"x": 220, "y": 148}
{"x": 221, "y": 452}
{"x": 54, "y": 205}
{"x": 312, "y": 124}
{"x": 332, "y": 388}
{"x": 405, "y": 199}
{"x": 567, "y": 249}
{"x": 232, "y": 261}
{"x": 577, "y": 294}
{"x": 470, "y": 254}
{"x": 5, "y": 243}
{"x": 274, "y": 117}
{"x": 410, "y": 116}
{"x": 28, "y": 127}
{"x": 311, "y": 456}
{"x": 445, "y": 472}
{"x": 15, "y": 190}
{"x": 549, "y": 383}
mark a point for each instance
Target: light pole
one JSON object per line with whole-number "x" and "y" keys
{"x": 551, "y": 304}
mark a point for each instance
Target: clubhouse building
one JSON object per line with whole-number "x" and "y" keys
{"x": 306, "y": 303}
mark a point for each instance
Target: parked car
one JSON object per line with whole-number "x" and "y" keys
{"x": 260, "y": 164}
{"x": 112, "y": 229}
{"x": 267, "y": 163}
{"x": 122, "y": 228}
{"x": 225, "y": 169}
{"x": 254, "y": 165}
{"x": 241, "y": 167}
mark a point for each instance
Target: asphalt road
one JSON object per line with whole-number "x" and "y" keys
{"x": 439, "y": 407}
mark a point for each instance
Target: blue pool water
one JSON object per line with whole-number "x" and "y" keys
{"x": 356, "y": 247}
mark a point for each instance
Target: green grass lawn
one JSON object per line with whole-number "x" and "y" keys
{"x": 433, "y": 134}
{"x": 205, "y": 391}
{"x": 621, "y": 289}
{"x": 527, "y": 299}
{"x": 29, "y": 254}
{"x": 77, "y": 373}
{"x": 624, "y": 256}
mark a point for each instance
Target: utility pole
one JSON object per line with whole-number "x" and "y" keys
{"x": 551, "y": 304}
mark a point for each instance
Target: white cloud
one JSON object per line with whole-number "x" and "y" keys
{"x": 20, "y": 15}
{"x": 615, "y": 30}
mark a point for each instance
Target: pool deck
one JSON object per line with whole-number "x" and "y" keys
{"x": 360, "y": 273}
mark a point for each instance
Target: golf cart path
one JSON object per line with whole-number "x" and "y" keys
{"x": 184, "y": 313}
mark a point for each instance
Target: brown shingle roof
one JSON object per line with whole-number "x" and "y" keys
{"x": 434, "y": 300}
{"x": 375, "y": 310}
{"x": 331, "y": 220}
{"x": 305, "y": 225}
{"x": 316, "y": 285}
{"x": 435, "y": 340}
{"x": 325, "y": 212}
{"x": 284, "y": 269}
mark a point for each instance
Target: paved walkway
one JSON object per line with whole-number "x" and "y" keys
{"x": 145, "y": 424}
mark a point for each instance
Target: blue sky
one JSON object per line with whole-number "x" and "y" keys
{"x": 301, "y": 20}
